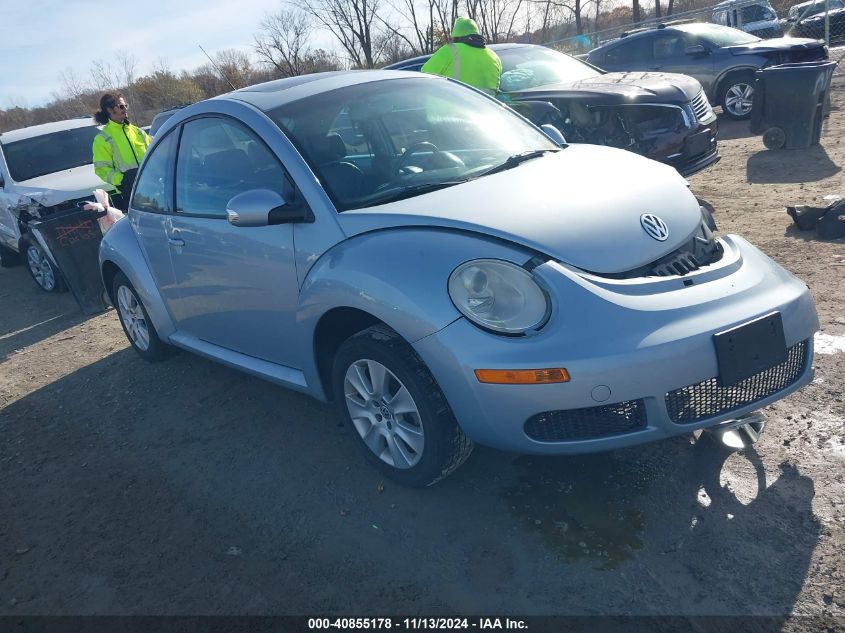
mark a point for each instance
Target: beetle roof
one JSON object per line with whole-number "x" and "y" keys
{"x": 272, "y": 94}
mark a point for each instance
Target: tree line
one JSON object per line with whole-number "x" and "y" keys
{"x": 366, "y": 33}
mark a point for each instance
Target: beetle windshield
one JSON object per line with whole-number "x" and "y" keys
{"x": 375, "y": 142}
{"x": 530, "y": 66}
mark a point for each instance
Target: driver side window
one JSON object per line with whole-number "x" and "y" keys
{"x": 217, "y": 160}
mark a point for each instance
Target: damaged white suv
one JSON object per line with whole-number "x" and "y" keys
{"x": 44, "y": 169}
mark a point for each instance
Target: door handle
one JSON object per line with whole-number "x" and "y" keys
{"x": 176, "y": 241}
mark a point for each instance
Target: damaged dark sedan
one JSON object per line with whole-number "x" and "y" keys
{"x": 665, "y": 117}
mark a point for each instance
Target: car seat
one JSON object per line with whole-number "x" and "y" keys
{"x": 343, "y": 178}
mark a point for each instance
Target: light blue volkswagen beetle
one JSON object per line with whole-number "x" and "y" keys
{"x": 447, "y": 274}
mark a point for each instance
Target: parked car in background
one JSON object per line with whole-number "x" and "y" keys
{"x": 807, "y": 19}
{"x": 161, "y": 117}
{"x": 665, "y": 117}
{"x": 723, "y": 59}
{"x": 44, "y": 169}
{"x": 752, "y": 16}
{"x": 455, "y": 277}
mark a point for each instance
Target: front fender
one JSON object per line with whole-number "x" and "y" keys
{"x": 120, "y": 248}
{"x": 398, "y": 276}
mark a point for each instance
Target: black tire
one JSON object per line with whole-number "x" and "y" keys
{"x": 8, "y": 257}
{"x": 774, "y": 138}
{"x": 444, "y": 445}
{"x": 740, "y": 83}
{"x": 45, "y": 275}
{"x": 155, "y": 349}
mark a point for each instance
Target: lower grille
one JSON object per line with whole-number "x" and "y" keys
{"x": 706, "y": 399}
{"x": 588, "y": 423}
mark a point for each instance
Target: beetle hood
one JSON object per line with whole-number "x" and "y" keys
{"x": 583, "y": 206}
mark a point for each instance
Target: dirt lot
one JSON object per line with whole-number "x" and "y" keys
{"x": 188, "y": 488}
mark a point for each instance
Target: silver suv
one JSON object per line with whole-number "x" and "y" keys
{"x": 723, "y": 59}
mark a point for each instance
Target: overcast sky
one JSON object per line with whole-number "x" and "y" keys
{"x": 42, "y": 38}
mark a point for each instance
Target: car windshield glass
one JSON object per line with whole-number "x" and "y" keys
{"x": 380, "y": 141}
{"x": 718, "y": 35}
{"x": 530, "y": 66}
{"x": 49, "y": 153}
{"x": 805, "y": 11}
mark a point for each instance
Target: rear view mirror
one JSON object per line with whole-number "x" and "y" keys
{"x": 555, "y": 134}
{"x": 696, "y": 50}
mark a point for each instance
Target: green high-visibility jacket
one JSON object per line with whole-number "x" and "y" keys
{"x": 478, "y": 67}
{"x": 118, "y": 148}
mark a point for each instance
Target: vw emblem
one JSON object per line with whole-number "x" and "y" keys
{"x": 654, "y": 226}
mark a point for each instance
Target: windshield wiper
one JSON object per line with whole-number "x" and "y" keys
{"x": 516, "y": 159}
{"x": 409, "y": 191}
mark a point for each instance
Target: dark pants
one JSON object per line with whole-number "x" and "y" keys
{"x": 121, "y": 200}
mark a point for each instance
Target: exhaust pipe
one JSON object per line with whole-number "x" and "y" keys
{"x": 740, "y": 433}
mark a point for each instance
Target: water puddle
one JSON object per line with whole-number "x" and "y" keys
{"x": 829, "y": 344}
{"x": 586, "y": 507}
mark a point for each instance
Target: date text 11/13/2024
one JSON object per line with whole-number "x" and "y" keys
{"x": 430, "y": 624}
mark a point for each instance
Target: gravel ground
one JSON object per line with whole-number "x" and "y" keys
{"x": 185, "y": 487}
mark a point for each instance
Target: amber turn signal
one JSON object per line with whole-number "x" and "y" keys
{"x": 522, "y": 376}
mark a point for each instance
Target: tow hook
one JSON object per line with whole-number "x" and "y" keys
{"x": 740, "y": 433}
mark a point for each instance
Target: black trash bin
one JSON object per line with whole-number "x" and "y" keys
{"x": 72, "y": 241}
{"x": 790, "y": 101}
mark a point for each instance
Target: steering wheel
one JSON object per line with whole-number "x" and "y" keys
{"x": 416, "y": 148}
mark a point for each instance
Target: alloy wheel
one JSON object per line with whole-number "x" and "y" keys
{"x": 384, "y": 413}
{"x": 133, "y": 318}
{"x": 40, "y": 268}
{"x": 739, "y": 98}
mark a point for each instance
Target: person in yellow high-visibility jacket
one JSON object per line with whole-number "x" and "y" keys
{"x": 467, "y": 58}
{"x": 118, "y": 148}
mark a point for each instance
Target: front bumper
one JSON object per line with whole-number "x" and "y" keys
{"x": 688, "y": 164}
{"x": 646, "y": 341}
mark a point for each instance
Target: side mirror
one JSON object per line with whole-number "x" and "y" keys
{"x": 260, "y": 207}
{"x": 553, "y": 133}
{"x": 696, "y": 50}
{"x": 2, "y": 181}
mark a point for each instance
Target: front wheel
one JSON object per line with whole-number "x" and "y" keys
{"x": 395, "y": 409}
{"x": 136, "y": 323}
{"x": 42, "y": 269}
{"x": 738, "y": 97}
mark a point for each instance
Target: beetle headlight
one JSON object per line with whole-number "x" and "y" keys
{"x": 499, "y": 296}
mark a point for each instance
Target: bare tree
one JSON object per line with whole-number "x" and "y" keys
{"x": 638, "y": 17}
{"x": 445, "y": 11}
{"x": 495, "y": 18}
{"x": 352, "y": 22}
{"x": 236, "y": 67}
{"x": 419, "y": 21}
{"x": 74, "y": 88}
{"x": 283, "y": 42}
{"x": 104, "y": 76}
{"x": 127, "y": 65}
